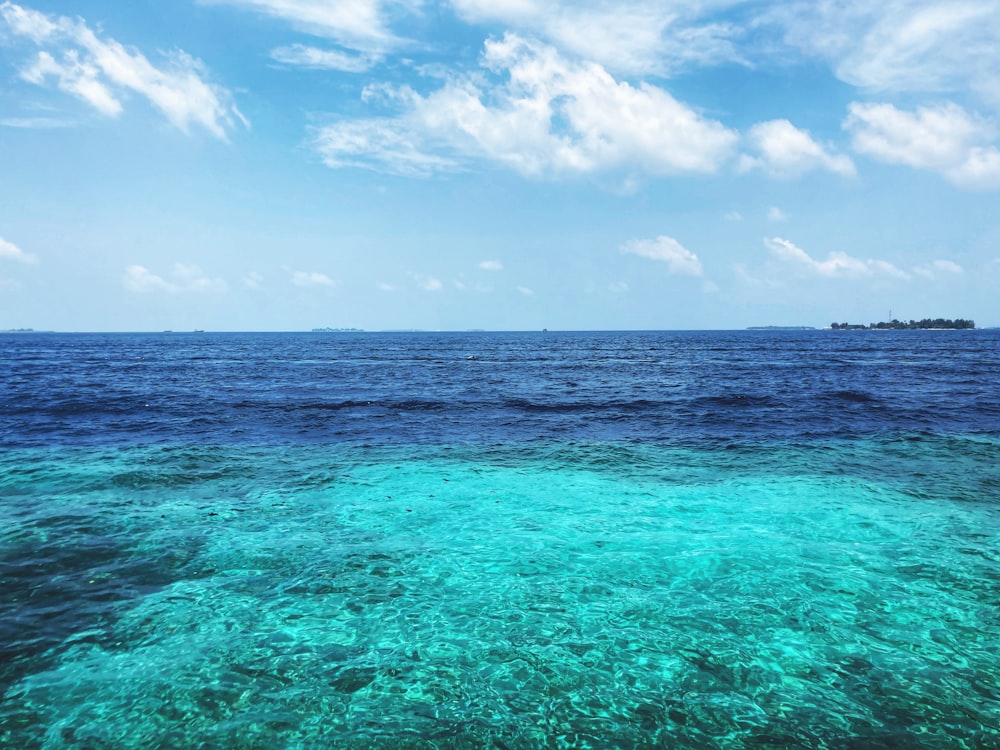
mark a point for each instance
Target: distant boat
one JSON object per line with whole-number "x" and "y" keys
{"x": 198, "y": 330}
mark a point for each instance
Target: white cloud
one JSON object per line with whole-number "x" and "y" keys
{"x": 943, "y": 139}
{"x": 10, "y": 251}
{"x": 141, "y": 279}
{"x": 383, "y": 145}
{"x": 836, "y": 265}
{"x": 304, "y": 56}
{"x": 547, "y": 116}
{"x": 526, "y": 291}
{"x": 311, "y": 278}
{"x": 81, "y": 79}
{"x": 938, "y": 268}
{"x": 900, "y": 45}
{"x": 36, "y": 123}
{"x": 733, "y": 216}
{"x": 183, "y": 278}
{"x": 491, "y": 265}
{"x": 785, "y": 151}
{"x": 776, "y": 214}
{"x": 193, "y": 279}
{"x": 384, "y": 287}
{"x": 667, "y": 250}
{"x": 355, "y": 24}
{"x": 630, "y": 36}
{"x": 98, "y": 71}
{"x": 427, "y": 283}
{"x": 26, "y": 22}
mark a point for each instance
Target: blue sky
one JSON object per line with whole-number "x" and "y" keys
{"x": 497, "y": 164}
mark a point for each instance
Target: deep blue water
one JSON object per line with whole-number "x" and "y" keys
{"x": 637, "y": 539}
{"x": 121, "y": 389}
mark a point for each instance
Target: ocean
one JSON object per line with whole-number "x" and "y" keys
{"x": 748, "y": 539}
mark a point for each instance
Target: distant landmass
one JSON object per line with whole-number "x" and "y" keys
{"x": 781, "y": 328}
{"x": 338, "y": 330}
{"x": 926, "y": 324}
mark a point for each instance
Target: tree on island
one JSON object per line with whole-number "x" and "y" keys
{"x": 913, "y": 325}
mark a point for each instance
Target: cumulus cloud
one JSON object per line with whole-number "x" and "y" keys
{"x": 677, "y": 258}
{"x": 10, "y": 251}
{"x": 427, "y": 283}
{"x": 939, "y": 268}
{"x": 538, "y": 114}
{"x": 904, "y": 45}
{"x": 785, "y": 151}
{"x": 311, "y": 278}
{"x": 183, "y": 278}
{"x": 836, "y": 265}
{"x": 99, "y": 71}
{"x": 944, "y": 139}
{"x": 630, "y": 36}
{"x": 491, "y": 265}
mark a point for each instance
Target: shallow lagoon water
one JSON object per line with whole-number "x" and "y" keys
{"x": 703, "y": 586}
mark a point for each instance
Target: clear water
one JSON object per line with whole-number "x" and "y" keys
{"x": 588, "y": 574}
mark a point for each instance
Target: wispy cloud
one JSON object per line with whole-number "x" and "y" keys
{"x": 538, "y": 114}
{"x": 733, "y": 216}
{"x": 354, "y": 24}
{"x": 526, "y": 291}
{"x": 303, "y": 56}
{"x": 776, "y": 214}
{"x": 183, "y": 278}
{"x": 899, "y": 46}
{"x": 10, "y": 251}
{"x": 99, "y": 71}
{"x": 785, "y": 151}
{"x": 37, "y": 123}
{"x": 667, "y": 250}
{"x": 630, "y": 36}
{"x": 944, "y": 139}
{"x": 253, "y": 280}
{"x": 491, "y": 265}
{"x": 836, "y": 265}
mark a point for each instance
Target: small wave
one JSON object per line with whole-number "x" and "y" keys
{"x": 564, "y": 407}
{"x": 859, "y": 397}
{"x": 742, "y": 400}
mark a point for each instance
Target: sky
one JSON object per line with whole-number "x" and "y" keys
{"x": 272, "y": 165}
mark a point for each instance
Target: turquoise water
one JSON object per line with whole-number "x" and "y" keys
{"x": 840, "y": 593}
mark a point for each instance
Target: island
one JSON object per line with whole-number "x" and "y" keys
{"x": 338, "y": 330}
{"x": 938, "y": 324}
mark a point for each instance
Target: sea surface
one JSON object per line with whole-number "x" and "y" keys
{"x": 750, "y": 539}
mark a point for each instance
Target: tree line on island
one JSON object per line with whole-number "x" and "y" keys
{"x": 913, "y": 325}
